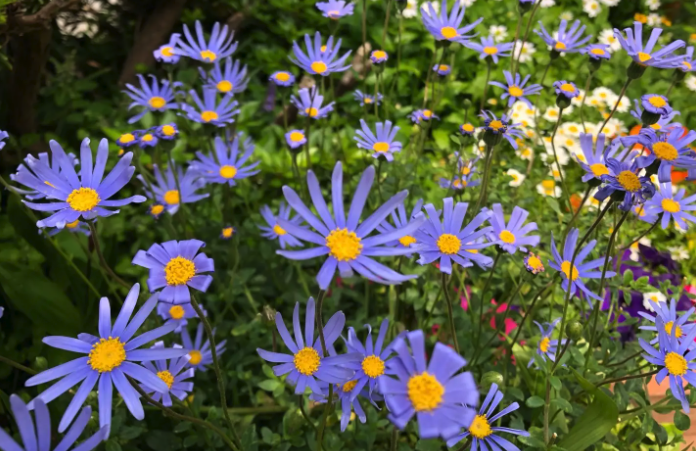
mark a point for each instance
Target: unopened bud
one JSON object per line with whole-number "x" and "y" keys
{"x": 490, "y": 378}
{"x": 40, "y": 364}
{"x": 574, "y": 330}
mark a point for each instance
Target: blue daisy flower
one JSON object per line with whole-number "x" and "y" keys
{"x": 448, "y": 28}
{"x": 40, "y": 438}
{"x": 503, "y": 126}
{"x": 488, "y": 48}
{"x": 366, "y": 99}
{"x": 309, "y": 103}
{"x": 447, "y": 240}
{"x": 209, "y": 111}
{"x": 442, "y": 69}
{"x": 667, "y": 150}
{"x": 378, "y": 56}
{"x": 344, "y": 393}
{"x": 84, "y": 196}
{"x": 319, "y": 59}
{"x": 567, "y": 41}
{"x": 74, "y": 227}
{"x": 274, "y": 231}
{"x": 166, "y": 191}
{"x": 30, "y": 178}
{"x": 382, "y": 142}
{"x": 669, "y": 318}
{"x": 573, "y": 280}
{"x": 401, "y": 220}
{"x": 109, "y": 359}
{"x": 593, "y": 157}
{"x": 547, "y": 347}
{"x": 174, "y": 267}
{"x": 566, "y": 88}
{"x": 346, "y": 240}
{"x": 512, "y": 236}
{"x": 516, "y": 90}
{"x": 172, "y": 375}
{"x": 167, "y": 53}
{"x": 126, "y": 140}
{"x": 177, "y": 313}
{"x": 419, "y": 116}
{"x": 233, "y": 79}
{"x": 307, "y": 364}
{"x": 335, "y": 9}
{"x": 151, "y": 97}
{"x": 672, "y": 206}
{"x": 459, "y": 182}
{"x": 647, "y": 55}
{"x": 688, "y": 64}
{"x": 483, "y": 432}
{"x": 167, "y": 132}
{"x": 295, "y": 138}
{"x": 623, "y": 177}
{"x": 441, "y": 397}
{"x": 282, "y": 78}
{"x": 199, "y": 353}
{"x": 663, "y": 125}
{"x": 596, "y": 52}
{"x": 146, "y": 138}
{"x": 467, "y": 129}
{"x": 227, "y": 232}
{"x": 219, "y": 46}
{"x": 656, "y": 104}
{"x": 227, "y": 166}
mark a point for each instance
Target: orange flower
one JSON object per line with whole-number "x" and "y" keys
{"x": 575, "y": 201}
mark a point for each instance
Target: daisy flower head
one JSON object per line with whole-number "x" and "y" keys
{"x": 309, "y": 103}
{"x": 516, "y": 176}
{"x": 566, "y": 40}
{"x": 447, "y": 27}
{"x": 654, "y": 5}
{"x": 647, "y": 55}
{"x": 513, "y": 235}
{"x": 209, "y": 110}
{"x": 459, "y": 182}
{"x": 344, "y": 239}
{"x": 146, "y": 138}
{"x": 157, "y": 96}
{"x": 366, "y": 99}
{"x": 483, "y": 430}
{"x": 674, "y": 359}
{"x": 688, "y": 64}
{"x": 378, "y": 56}
{"x": 335, "y": 9}
{"x": 607, "y": 37}
{"x": 177, "y": 313}
{"x": 668, "y": 315}
{"x": 667, "y": 150}
{"x": 348, "y": 404}
{"x": 672, "y": 206}
{"x": 656, "y": 106}
{"x": 381, "y": 143}
{"x": 232, "y": 79}
{"x": 498, "y": 32}
{"x": 533, "y": 263}
{"x": 28, "y": 178}
{"x": 678, "y": 253}
{"x": 282, "y": 78}
{"x": 488, "y": 48}
{"x": 155, "y": 210}
{"x": 573, "y": 273}
{"x": 171, "y": 373}
{"x": 3, "y": 136}
{"x": 227, "y": 232}
{"x": 596, "y": 52}
{"x": 690, "y": 82}
{"x": 547, "y": 3}
{"x": 623, "y": 180}
{"x": 467, "y": 129}
{"x": 319, "y": 59}
{"x": 199, "y": 353}
{"x": 419, "y": 116}
{"x": 175, "y": 267}
{"x": 76, "y": 196}
{"x": 593, "y": 157}
{"x": 547, "y": 347}
{"x": 307, "y": 363}
{"x": 441, "y": 398}
{"x": 401, "y": 220}
{"x": 220, "y": 45}
{"x": 515, "y": 89}
{"x": 447, "y": 240}
{"x": 565, "y": 92}
{"x": 167, "y": 53}
{"x": 74, "y": 227}
{"x": 40, "y": 438}
{"x": 166, "y": 191}
{"x": 523, "y": 52}
{"x": 227, "y": 166}
{"x": 442, "y": 69}
{"x": 109, "y": 358}
{"x": 663, "y": 125}
{"x": 591, "y": 7}
{"x": 295, "y": 138}
{"x": 495, "y": 129}
{"x": 273, "y": 231}
{"x": 126, "y": 140}
{"x": 167, "y": 132}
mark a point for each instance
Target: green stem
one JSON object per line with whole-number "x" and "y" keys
{"x": 19, "y": 366}
{"x": 309, "y": 421}
{"x": 527, "y": 312}
{"x": 102, "y": 260}
{"x": 329, "y": 402}
{"x": 526, "y": 35}
{"x": 625, "y": 378}
{"x": 584, "y": 96}
{"x": 485, "y": 87}
{"x": 486, "y": 177}
{"x": 483, "y": 295}
{"x": 448, "y": 300}
{"x": 514, "y": 42}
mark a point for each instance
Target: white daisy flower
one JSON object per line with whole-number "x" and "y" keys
{"x": 566, "y": 15}
{"x": 690, "y": 82}
{"x": 499, "y": 32}
{"x": 678, "y": 253}
{"x": 654, "y": 5}
{"x": 466, "y": 3}
{"x": 524, "y": 152}
{"x": 572, "y": 129}
{"x": 607, "y": 37}
{"x": 555, "y": 173}
{"x": 654, "y": 296}
{"x": 411, "y": 9}
{"x": 591, "y": 7}
{"x": 547, "y": 3}
{"x": 517, "y": 177}
{"x": 525, "y": 52}
{"x": 654, "y": 20}
{"x": 549, "y": 188}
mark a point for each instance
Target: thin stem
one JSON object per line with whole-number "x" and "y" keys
{"x": 102, "y": 260}
{"x": 546, "y": 71}
{"x": 672, "y": 85}
{"x": 584, "y": 96}
{"x": 647, "y": 232}
{"x": 526, "y": 34}
{"x": 616, "y": 105}
{"x": 483, "y": 293}
{"x": 528, "y": 311}
{"x": 631, "y": 357}
{"x": 386, "y": 25}
{"x": 448, "y": 300}
{"x": 329, "y": 402}
{"x": 486, "y": 177}
{"x": 485, "y": 87}
{"x": 300, "y": 400}
{"x": 546, "y": 409}
{"x": 216, "y": 365}
{"x": 19, "y": 366}
{"x": 555, "y": 155}
{"x": 625, "y": 378}
{"x": 514, "y": 42}
{"x": 563, "y": 351}
{"x": 394, "y": 439}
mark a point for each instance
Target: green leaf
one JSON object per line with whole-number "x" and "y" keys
{"x": 249, "y": 439}
{"x": 562, "y": 404}
{"x": 555, "y": 383}
{"x": 269, "y": 385}
{"x": 627, "y": 277}
{"x": 595, "y": 422}
{"x": 429, "y": 445}
{"x": 163, "y": 441}
{"x": 534, "y": 401}
{"x": 682, "y": 421}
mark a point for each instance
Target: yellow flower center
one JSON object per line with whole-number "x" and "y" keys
{"x": 373, "y": 366}
{"x": 195, "y": 357}
{"x": 208, "y": 116}
{"x": 668, "y": 329}
{"x": 675, "y": 364}
{"x": 147, "y": 138}
{"x": 379, "y": 54}
{"x": 208, "y": 55}
{"x": 468, "y": 128}
{"x": 167, "y": 51}
{"x": 443, "y": 67}
{"x": 333, "y": 14}
{"x": 567, "y": 87}
{"x": 83, "y": 199}
{"x": 670, "y": 205}
{"x": 490, "y": 50}
{"x": 665, "y": 151}
{"x": 687, "y": 65}
{"x": 599, "y": 52}
{"x": 171, "y": 197}
{"x": 225, "y": 86}
{"x": 157, "y": 102}
{"x": 279, "y": 230}
{"x": 319, "y": 66}
{"x": 282, "y": 76}
{"x": 343, "y": 245}
{"x": 228, "y": 171}
{"x": 72, "y": 225}
{"x": 157, "y": 209}
{"x": 449, "y": 244}
{"x": 657, "y": 102}
{"x": 107, "y": 354}
{"x": 516, "y": 91}
{"x": 656, "y": 126}
{"x": 176, "y": 312}
{"x": 507, "y": 237}
{"x": 227, "y": 232}
{"x": 311, "y": 112}
{"x": 565, "y": 269}
{"x": 425, "y": 392}
{"x": 307, "y": 361}
{"x": 559, "y": 46}
{"x": 348, "y": 386}
{"x": 166, "y": 377}
{"x": 296, "y": 136}
{"x": 179, "y": 271}
{"x": 168, "y": 130}
{"x": 449, "y": 32}
{"x": 496, "y": 125}
{"x": 367, "y": 100}
{"x": 380, "y": 147}
{"x": 599, "y": 169}
{"x": 323, "y": 48}
{"x": 643, "y": 57}
{"x": 407, "y": 240}
{"x": 535, "y": 263}
{"x": 466, "y": 170}
{"x": 126, "y": 138}
{"x": 457, "y": 183}
{"x": 480, "y": 428}
{"x": 544, "y": 344}
{"x": 629, "y": 181}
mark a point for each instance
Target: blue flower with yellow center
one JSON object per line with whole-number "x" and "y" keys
{"x": 594, "y": 156}
{"x": 158, "y": 96}
{"x": 320, "y": 59}
{"x": 442, "y": 69}
{"x": 335, "y": 9}
{"x": 209, "y": 111}
{"x": 667, "y": 150}
{"x": 172, "y": 374}
{"x": 220, "y": 45}
{"x": 622, "y": 177}
{"x": 566, "y": 40}
{"x": 273, "y": 230}
{"x": 166, "y": 190}
{"x": 227, "y": 166}
{"x": 513, "y": 235}
{"x": 516, "y": 89}
{"x": 422, "y": 115}
{"x": 688, "y": 64}
{"x": 309, "y": 103}
{"x": 178, "y": 314}
{"x": 670, "y": 319}
{"x": 378, "y": 56}
{"x": 167, "y": 53}
{"x": 295, "y": 138}
{"x": 488, "y": 48}
{"x": 663, "y": 125}
{"x": 566, "y": 89}
{"x": 200, "y": 354}
{"x": 381, "y": 143}
{"x": 366, "y": 99}
{"x": 74, "y": 227}
{"x": 28, "y": 175}
{"x": 282, "y": 78}
{"x": 656, "y": 104}
{"x": 596, "y": 52}
{"x": 502, "y": 126}
{"x": 446, "y": 27}
{"x": 401, "y": 220}
{"x": 232, "y": 79}
{"x": 167, "y": 132}
{"x": 672, "y": 206}
{"x": 547, "y": 347}
{"x": 647, "y": 55}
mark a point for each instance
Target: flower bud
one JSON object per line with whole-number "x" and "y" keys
{"x": 268, "y": 315}
{"x": 490, "y": 378}
{"x": 40, "y": 364}
{"x": 635, "y": 71}
{"x": 574, "y": 330}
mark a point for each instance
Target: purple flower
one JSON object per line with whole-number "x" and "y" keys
{"x": 209, "y": 111}
{"x": 566, "y": 88}
{"x": 274, "y": 231}
{"x": 663, "y": 125}
{"x": 567, "y": 41}
{"x": 282, "y": 78}
{"x": 381, "y": 143}
{"x": 488, "y": 48}
{"x": 175, "y": 266}
{"x": 669, "y": 318}
{"x": 378, "y": 56}
{"x": 671, "y": 206}
{"x": 419, "y": 116}
{"x": 171, "y": 374}
{"x": 73, "y": 227}
{"x": 667, "y": 150}
{"x": 3, "y": 136}
{"x": 166, "y": 191}
{"x": 295, "y": 138}
{"x": 656, "y": 104}
{"x": 400, "y": 221}
{"x": 442, "y": 69}
{"x": 151, "y": 97}
{"x": 309, "y": 103}
{"x": 226, "y": 166}
{"x": 646, "y": 56}
{"x": 199, "y": 353}
{"x": 177, "y": 313}
{"x": 502, "y": 126}
{"x": 448, "y": 28}
{"x": 547, "y": 347}
{"x": 335, "y": 9}
{"x": 232, "y": 79}
{"x": 167, "y": 53}
{"x": 319, "y": 59}
{"x": 512, "y": 236}
{"x": 366, "y": 99}
{"x": 515, "y": 89}
{"x": 596, "y": 52}
{"x": 623, "y": 177}
{"x": 687, "y": 65}
{"x": 220, "y": 44}
{"x": 593, "y": 159}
